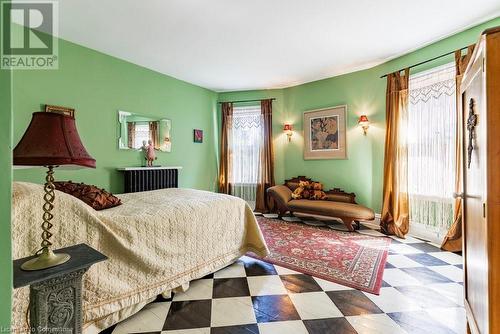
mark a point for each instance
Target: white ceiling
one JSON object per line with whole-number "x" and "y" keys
{"x": 227, "y": 45}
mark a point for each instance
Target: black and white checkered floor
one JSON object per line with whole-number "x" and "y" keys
{"x": 421, "y": 293}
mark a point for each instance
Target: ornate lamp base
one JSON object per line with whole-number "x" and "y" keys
{"x": 46, "y": 259}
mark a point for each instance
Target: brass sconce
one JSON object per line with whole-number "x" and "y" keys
{"x": 364, "y": 123}
{"x": 288, "y": 130}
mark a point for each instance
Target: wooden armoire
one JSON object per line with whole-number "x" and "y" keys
{"x": 480, "y": 95}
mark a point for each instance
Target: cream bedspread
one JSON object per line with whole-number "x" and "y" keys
{"x": 156, "y": 241}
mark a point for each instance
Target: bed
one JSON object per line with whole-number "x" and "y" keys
{"x": 156, "y": 241}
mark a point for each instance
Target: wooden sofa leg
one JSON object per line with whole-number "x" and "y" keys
{"x": 348, "y": 223}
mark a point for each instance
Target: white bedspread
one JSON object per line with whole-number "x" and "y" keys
{"x": 156, "y": 241}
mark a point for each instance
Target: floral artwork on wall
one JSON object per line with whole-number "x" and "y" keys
{"x": 325, "y": 133}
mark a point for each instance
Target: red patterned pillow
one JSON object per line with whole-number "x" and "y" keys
{"x": 98, "y": 199}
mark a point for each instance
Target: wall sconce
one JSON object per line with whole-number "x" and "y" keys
{"x": 364, "y": 123}
{"x": 288, "y": 130}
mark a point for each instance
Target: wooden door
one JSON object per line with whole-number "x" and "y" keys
{"x": 475, "y": 193}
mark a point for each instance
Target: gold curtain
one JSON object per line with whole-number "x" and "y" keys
{"x": 153, "y": 134}
{"x": 225, "y": 163}
{"x": 453, "y": 240}
{"x": 130, "y": 134}
{"x": 395, "y": 210}
{"x": 266, "y": 168}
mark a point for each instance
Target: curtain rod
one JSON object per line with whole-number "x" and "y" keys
{"x": 241, "y": 101}
{"x": 425, "y": 61}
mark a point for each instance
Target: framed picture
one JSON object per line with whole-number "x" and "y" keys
{"x": 60, "y": 110}
{"x": 325, "y": 133}
{"x": 198, "y": 136}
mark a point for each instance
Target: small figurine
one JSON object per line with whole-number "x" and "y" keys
{"x": 149, "y": 152}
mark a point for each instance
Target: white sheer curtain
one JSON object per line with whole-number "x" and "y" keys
{"x": 245, "y": 141}
{"x": 431, "y": 151}
{"x": 141, "y": 134}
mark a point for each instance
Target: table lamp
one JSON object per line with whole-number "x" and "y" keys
{"x": 51, "y": 141}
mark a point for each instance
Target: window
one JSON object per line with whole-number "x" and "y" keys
{"x": 431, "y": 151}
{"x": 141, "y": 134}
{"x": 245, "y": 143}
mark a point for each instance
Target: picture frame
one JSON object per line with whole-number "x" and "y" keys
{"x": 135, "y": 128}
{"x": 325, "y": 135}
{"x": 198, "y": 136}
{"x": 60, "y": 110}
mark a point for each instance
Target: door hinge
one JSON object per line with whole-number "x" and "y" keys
{"x": 484, "y": 64}
{"x": 484, "y": 210}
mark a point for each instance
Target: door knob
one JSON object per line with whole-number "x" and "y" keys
{"x": 458, "y": 195}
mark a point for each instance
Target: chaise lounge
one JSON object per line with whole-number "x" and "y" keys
{"x": 337, "y": 204}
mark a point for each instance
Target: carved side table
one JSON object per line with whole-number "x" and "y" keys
{"x": 56, "y": 293}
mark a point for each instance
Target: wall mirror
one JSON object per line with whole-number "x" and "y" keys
{"x": 137, "y": 130}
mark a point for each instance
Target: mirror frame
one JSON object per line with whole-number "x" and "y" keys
{"x": 122, "y": 115}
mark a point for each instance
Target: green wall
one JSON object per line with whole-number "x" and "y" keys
{"x": 97, "y": 86}
{"x": 364, "y": 93}
{"x": 5, "y": 197}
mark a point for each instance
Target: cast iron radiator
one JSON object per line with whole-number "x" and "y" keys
{"x": 152, "y": 179}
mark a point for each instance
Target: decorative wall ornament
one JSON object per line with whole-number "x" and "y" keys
{"x": 325, "y": 133}
{"x": 198, "y": 136}
{"x": 471, "y": 127}
{"x": 60, "y": 110}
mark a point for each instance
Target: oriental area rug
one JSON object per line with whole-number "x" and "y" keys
{"x": 349, "y": 258}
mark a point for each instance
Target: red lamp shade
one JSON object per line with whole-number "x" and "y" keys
{"x": 52, "y": 140}
{"x": 363, "y": 119}
{"x": 287, "y": 127}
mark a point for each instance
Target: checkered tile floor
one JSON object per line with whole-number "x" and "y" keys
{"x": 421, "y": 293}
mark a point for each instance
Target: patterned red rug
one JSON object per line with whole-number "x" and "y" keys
{"x": 346, "y": 258}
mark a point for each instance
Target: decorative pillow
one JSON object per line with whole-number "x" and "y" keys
{"x": 297, "y": 193}
{"x": 317, "y": 191}
{"x": 98, "y": 199}
{"x": 302, "y": 191}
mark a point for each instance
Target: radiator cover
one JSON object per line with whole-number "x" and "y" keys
{"x": 152, "y": 178}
